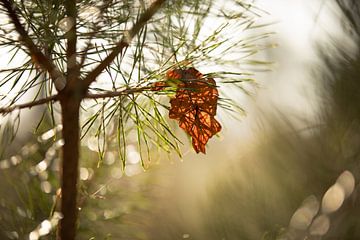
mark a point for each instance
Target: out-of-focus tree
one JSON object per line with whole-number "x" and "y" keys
{"x": 100, "y": 66}
{"x": 297, "y": 182}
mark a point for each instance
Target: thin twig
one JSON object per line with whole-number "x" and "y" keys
{"x": 36, "y": 53}
{"x": 124, "y": 42}
{"x": 9, "y": 109}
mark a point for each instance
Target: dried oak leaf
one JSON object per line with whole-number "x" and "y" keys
{"x": 194, "y": 105}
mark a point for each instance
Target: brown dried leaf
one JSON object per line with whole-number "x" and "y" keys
{"x": 194, "y": 105}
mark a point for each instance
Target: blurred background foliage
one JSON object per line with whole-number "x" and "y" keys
{"x": 287, "y": 182}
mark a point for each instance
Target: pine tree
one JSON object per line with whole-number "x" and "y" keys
{"x": 116, "y": 56}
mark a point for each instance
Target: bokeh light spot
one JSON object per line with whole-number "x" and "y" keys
{"x": 186, "y": 235}
{"x": 320, "y": 226}
{"x": 333, "y": 198}
{"x": 66, "y": 24}
{"x": 92, "y": 144}
{"x": 109, "y": 158}
{"x": 34, "y": 235}
{"x": 133, "y": 156}
{"x": 45, "y": 228}
{"x": 84, "y": 174}
{"x": 303, "y": 216}
{"x": 132, "y": 170}
{"x": 45, "y": 186}
{"x": 116, "y": 172}
{"x": 347, "y": 181}
{"x": 41, "y": 166}
{"x": 4, "y": 164}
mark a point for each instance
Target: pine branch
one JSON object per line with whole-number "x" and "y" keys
{"x": 124, "y": 42}
{"x": 55, "y": 98}
{"x": 10, "y": 109}
{"x": 43, "y": 61}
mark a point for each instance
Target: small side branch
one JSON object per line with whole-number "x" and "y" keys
{"x": 29, "y": 104}
{"x": 118, "y": 93}
{"x": 37, "y": 55}
{"x": 124, "y": 42}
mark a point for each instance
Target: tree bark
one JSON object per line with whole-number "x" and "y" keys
{"x": 70, "y": 107}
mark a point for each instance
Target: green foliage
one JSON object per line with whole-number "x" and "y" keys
{"x": 121, "y": 109}
{"x": 257, "y": 196}
{"x": 183, "y": 33}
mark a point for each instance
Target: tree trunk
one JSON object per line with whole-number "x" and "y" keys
{"x": 70, "y": 107}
